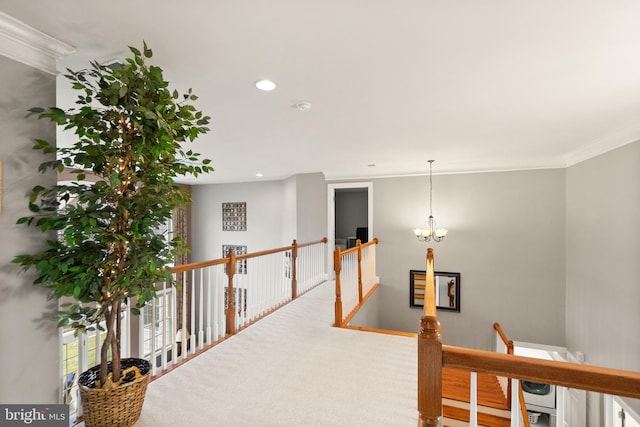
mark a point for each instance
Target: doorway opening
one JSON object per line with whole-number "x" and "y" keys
{"x": 350, "y": 215}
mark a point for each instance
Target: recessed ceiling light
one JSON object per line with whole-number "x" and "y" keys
{"x": 259, "y": 175}
{"x": 265, "y": 85}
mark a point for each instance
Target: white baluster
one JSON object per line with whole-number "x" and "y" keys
{"x": 208, "y": 288}
{"x": 153, "y": 339}
{"x": 192, "y": 343}
{"x": 515, "y": 403}
{"x": 184, "y": 335}
{"x": 201, "y": 309}
{"x": 174, "y": 316}
{"x": 473, "y": 400}
{"x": 163, "y": 301}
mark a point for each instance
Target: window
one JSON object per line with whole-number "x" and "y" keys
{"x": 158, "y": 323}
{"x": 79, "y": 353}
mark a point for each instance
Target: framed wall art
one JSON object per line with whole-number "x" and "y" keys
{"x": 447, "y": 289}
{"x": 234, "y": 216}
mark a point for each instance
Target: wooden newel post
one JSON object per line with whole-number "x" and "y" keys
{"x": 430, "y": 357}
{"x": 230, "y": 311}
{"x": 359, "y": 246}
{"x": 429, "y": 373}
{"x": 337, "y": 267}
{"x": 294, "y": 280}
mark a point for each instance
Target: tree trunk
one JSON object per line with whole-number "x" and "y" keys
{"x": 115, "y": 343}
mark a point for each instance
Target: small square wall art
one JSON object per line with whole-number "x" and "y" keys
{"x": 234, "y": 216}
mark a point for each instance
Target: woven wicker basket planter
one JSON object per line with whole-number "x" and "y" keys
{"x": 120, "y": 406}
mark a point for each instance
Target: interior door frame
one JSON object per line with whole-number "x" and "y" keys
{"x": 331, "y": 216}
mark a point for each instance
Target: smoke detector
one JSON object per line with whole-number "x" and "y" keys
{"x": 302, "y": 106}
{"x": 114, "y": 64}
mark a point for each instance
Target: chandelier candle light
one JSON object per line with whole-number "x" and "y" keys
{"x": 430, "y": 231}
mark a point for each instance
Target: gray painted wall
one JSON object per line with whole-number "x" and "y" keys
{"x": 289, "y": 219}
{"x": 277, "y": 213}
{"x": 603, "y": 261}
{"x": 30, "y": 373}
{"x": 265, "y": 204}
{"x": 506, "y": 239}
{"x": 368, "y": 316}
{"x": 311, "y": 207}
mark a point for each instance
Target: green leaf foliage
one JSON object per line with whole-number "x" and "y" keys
{"x": 130, "y": 130}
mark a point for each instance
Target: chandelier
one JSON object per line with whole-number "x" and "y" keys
{"x": 430, "y": 230}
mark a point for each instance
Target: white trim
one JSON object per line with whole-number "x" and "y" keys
{"x": 29, "y": 46}
{"x": 620, "y": 138}
{"x": 629, "y": 412}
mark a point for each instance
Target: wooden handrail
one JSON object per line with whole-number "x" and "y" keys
{"x": 507, "y": 342}
{"x": 567, "y": 374}
{"x": 195, "y": 265}
{"x": 510, "y": 350}
{"x": 323, "y": 240}
{"x": 362, "y": 246}
{"x": 430, "y": 287}
{"x": 523, "y": 407}
{"x": 276, "y": 250}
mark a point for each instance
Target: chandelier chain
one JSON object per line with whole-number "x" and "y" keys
{"x": 430, "y": 188}
{"x": 431, "y": 231}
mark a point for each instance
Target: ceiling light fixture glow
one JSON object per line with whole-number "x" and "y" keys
{"x": 265, "y": 85}
{"x": 259, "y": 175}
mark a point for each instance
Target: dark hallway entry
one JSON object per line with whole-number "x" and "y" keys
{"x": 351, "y": 216}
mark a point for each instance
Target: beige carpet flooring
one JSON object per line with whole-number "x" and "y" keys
{"x": 292, "y": 369}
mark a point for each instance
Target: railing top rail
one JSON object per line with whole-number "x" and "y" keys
{"x": 572, "y": 375}
{"x": 429, "y": 301}
{"x": 323, "y": 240}
{"x": 203, "y": 264}
{"x": 264, "y": 253}
{"x": 505, "y": 340}
{"x": 195, "y": 265}
{"x": 362, "y": 245}
{"x": 276, "y": 250}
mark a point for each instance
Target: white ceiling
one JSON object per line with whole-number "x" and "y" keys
{"x": 475, "y": 85}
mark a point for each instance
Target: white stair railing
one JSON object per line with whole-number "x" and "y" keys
{"x": 201, "y": 311}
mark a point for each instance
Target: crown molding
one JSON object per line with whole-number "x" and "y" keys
{"x": 612, "y": 141}
{"x": 29, "y": 46}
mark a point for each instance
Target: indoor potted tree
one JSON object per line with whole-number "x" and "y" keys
{"x": 109, "y": 250}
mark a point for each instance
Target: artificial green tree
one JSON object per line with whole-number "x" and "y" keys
{"x": 130, "y": 129}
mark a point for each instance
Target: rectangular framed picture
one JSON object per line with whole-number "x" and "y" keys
{"x": 447, "y": 289}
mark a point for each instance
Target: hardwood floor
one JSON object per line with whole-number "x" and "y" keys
{"x": 488, "y": 420}
{"x": 455, "y": 387}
